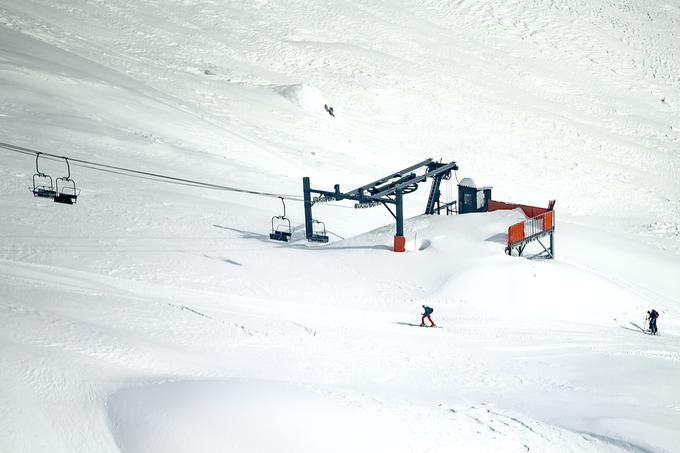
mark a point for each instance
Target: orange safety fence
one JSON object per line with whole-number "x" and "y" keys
{"x": 529, "y": 211}
{"x": 530, "y": 227}
{"x": 548, "y": 220}
{"x": 516, "y": 233}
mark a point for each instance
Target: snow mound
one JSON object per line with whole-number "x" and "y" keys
{"x": 243, "y": 416}
{"x": 305, "y": 96}
{"x": 257, "y": 416}
{"x": 468, "y": 235}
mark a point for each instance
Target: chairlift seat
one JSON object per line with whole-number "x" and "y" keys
{"x": 283, "y": 236}
{"x": 67, "y": 193}
{"x": 44, "y": 192}
{"x": 283, "y": 231}
{"x": 65, "y": 198}
{"x": 318, "y": 238}
{"x": 318, "y": 233}
{"x": 42, "y": 185}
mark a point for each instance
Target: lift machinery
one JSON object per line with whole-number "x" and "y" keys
{"x": 385, "y": 191}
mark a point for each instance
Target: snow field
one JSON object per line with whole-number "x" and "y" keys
{"x": 155, "y": 317}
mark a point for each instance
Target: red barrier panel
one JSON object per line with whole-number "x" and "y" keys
{"x": 548, "y": 220}
{"x": 515, "y": 233}
{"x": 534, "y": 226}
{"x": 529, "y": 211}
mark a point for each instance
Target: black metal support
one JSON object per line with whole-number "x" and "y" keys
{"x": 409, "y": 181}
{"x": 310, "y": 234}
{"x": 399, "y": 200}
{"x": 390, "y": 210}
{"x": 433, "y": 199}
{"x": 548, "y": 252}
{"x": 306, "y": 188}
{"x": 448, "y": 207}
{"x": 397, "y": 174}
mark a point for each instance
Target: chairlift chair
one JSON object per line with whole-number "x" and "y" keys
{"x": 319, "y": 233}
{"x": 43, "y": 186}
{"x": 282, "y": 231}
{"x": 67, "y": 193}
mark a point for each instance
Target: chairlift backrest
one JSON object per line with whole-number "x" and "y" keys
{"x": 318, "y": 234}
{"x": 67, "y": 193}
{"x": 43, "y": 185}
{"x": 319, "y": 222}
{"x": 282, "y": 231}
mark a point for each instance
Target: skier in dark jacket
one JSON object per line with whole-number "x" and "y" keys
{"x": 652, "y": 315}
{"x": 427, "y": 311}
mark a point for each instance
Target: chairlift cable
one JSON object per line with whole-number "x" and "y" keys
{"x": 153, "y": 176}
{"x": 160, "y": 177}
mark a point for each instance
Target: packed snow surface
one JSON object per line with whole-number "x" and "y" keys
{"x": 156, "y": 317}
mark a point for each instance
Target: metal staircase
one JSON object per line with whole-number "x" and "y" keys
{"x": 435, "y": 193}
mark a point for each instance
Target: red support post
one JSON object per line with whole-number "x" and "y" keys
{"x": 399, "y": 243}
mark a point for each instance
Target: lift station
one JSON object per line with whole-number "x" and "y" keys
{"x": 385, "y": 191}
{"x": 539, "y": 222}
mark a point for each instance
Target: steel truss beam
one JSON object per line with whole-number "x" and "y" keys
{"x": 381, "y": 191}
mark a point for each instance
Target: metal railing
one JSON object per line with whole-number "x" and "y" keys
{"x": 531, "y": 228}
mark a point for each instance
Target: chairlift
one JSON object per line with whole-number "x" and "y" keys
{"x": 43, "y": 186}
{"x": 67, "y": 193}
{"x": 319, "y": 232}
{"x": 282, "y": 231}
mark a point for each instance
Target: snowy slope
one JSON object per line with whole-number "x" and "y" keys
{"x": 159, "y": 317}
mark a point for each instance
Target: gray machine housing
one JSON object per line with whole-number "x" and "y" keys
{"x": 472, "y": 198}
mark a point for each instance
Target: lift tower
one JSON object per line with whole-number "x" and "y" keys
{"x": 385, "y": 191}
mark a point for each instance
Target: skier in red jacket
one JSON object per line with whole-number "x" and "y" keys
{"x": 427, "y": 311}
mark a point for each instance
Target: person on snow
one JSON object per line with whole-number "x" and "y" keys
{"x": 329, "y": 109}
{"x": 427, "y": 311}
{"x": 652, "y": 315}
